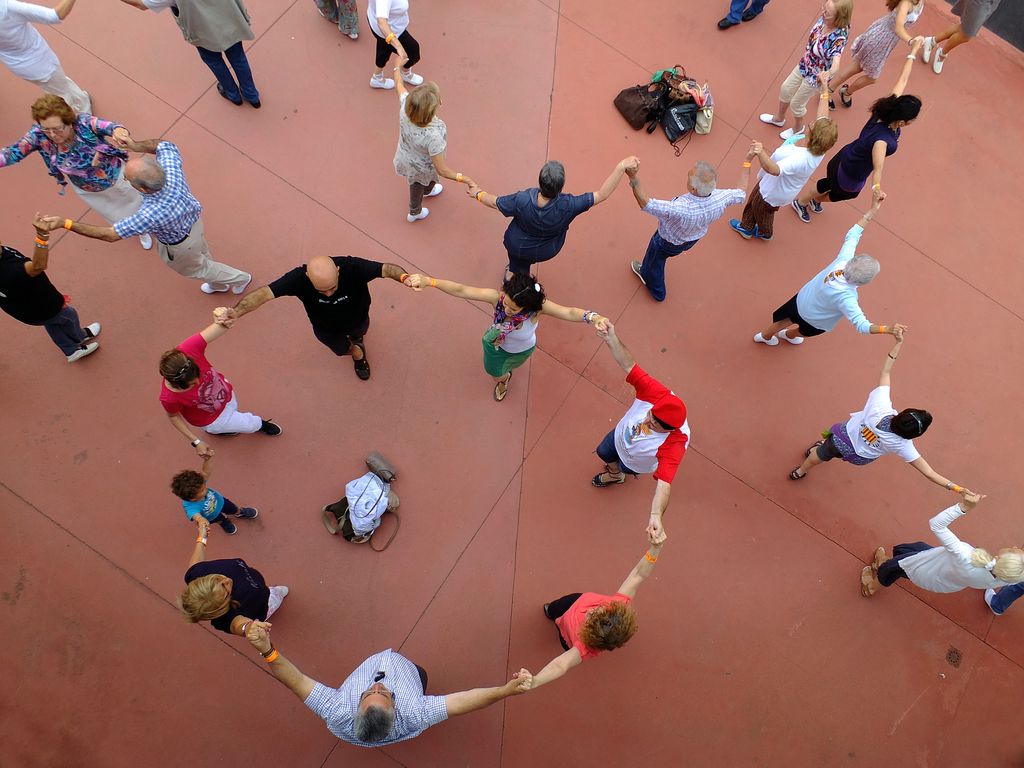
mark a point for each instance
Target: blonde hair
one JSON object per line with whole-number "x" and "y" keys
{"x": 822, "y": 137}
{"x": 205, "y": 599}
{"x": 421, "y": 104}
{"x": 844, "y": 13}
{"x": 1009, "y": 565}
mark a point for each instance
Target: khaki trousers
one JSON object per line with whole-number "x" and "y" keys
{"x": 191, "y": 258}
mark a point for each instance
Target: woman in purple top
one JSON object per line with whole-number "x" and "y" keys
{"x": 84, "y": 150}
{"x": 863, "y": 158}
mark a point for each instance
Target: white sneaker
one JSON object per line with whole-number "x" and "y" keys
{"x": 424, "y": 212}
{"x": 277, "y": 596}
{"x": 145, "y": 241}
{"x": 762, "y": 340}
{"x": 93, "y": 330}
{"x": 989, "y": 594}
{"x": 379, "y": 81}
{"x": 786, "y": 134}
{"x": 437, "y": 190}
{"x": 87, "y": 350}
{"x": 240, "y": 288}
{"x": 354, "y": 35}
{"x": 770, "y": 119}
{"x": 938, "y": 61}
{"x": 794, "y": 340}
{"x": 926, "y": 49}
{"x": 208, "y": 288}
{"x": 412, "y": 78}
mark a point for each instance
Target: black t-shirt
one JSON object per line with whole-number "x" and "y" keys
{"x": 347, "y": 308}
{"x": 29, "y": 299}
{"x": 247, "y": 587}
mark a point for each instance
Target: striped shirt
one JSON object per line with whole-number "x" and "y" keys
{"x": 687, "y": 217}
{"x": 414, "y": 711}
{"x": 170, "y": 213}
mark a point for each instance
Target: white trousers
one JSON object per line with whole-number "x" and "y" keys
{"x": 191, "y": 258}
{"x": 232, "y": 420}
{"x": 67, "y": 89}
{"x": 118, "y": 201}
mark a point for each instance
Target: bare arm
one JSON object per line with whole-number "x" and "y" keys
{"x": 610, "y": 183}
{"x": 925, "y": 469}
{"x": 253, "y": 300}
{"x": 441, "y": 165}
{"x": 199, "y": 551}
{"x": 622, "y": 355}
{"x": 213, "y": 332}
{"x": 108, "y": 234}
{"x": 136, "y": 4}
{"x": 641, "y": 571}
{"x": 458, "y": 290}
{"x": 464, "y": 702}
{"x": 146, "y": 146}
{"x": 890, "y": 360}
{"x": 63, "y": 8}
{"x": 280, "y": 667}
{"x": 823, "y": 110}
{"x": 908, "y": 65}
{"x": 901, "y": 20}
{"x": 745, "y": 168}
{"x": 638, "y": 192}
{"x": 769, "y": 165}
{"x": 878, "y": 161}
{"x": 393, "y": 272}
{"x": 41, "y": 253}
{"x": 385, "y": 31}
{"x": 557, "y": 667}
{"x": 206, "y": 468}
{"x": 179, "y": 423}
{"x": 486, "y": 198}
{"x": 659, "y": 503}
{"x": 571, "y": 314}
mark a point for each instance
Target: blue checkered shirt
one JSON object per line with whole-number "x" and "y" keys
{"x": 688, "y": 217}
{"x": 170, "y": 213}
{"x": 414, "y": 711}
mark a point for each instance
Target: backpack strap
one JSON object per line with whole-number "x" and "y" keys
{"x": 398, "y": 524}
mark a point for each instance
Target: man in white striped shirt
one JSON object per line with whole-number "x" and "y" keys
{"x": 683, "y": 220}
{"x": 384, "y": 700}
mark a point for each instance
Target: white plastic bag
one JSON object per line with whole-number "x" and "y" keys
{"x": 367, "y": 501}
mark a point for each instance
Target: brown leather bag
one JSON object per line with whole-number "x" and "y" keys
{"x": 642, "y": 104}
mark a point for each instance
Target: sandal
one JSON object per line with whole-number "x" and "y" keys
{"x": 868, "y": 581}
{"x": 844, "y": 97}
{"x": 796, "y": 475}
{"x": 499, "y": 396}
{"x": 597, "y": 482}
{"x": 813, "y": 447}
{"x": 878, "y": 558}
{"x": 362, "y": 367}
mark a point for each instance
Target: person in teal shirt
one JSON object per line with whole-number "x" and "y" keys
{"x": 198, "y": 498}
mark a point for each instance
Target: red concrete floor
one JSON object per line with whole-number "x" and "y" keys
{"x": 755, "y": 647}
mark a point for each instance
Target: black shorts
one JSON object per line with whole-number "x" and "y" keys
{"x": 830, "y": 183}
{"x": 788, "y": 311}
{"x": 340, "y": 342}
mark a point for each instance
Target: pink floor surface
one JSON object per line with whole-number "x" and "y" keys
{"x": 755, "y": 648}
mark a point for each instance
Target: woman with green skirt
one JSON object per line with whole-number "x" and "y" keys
{"x": 512, "y": 336}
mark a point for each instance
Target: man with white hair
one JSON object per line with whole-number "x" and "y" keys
{"x": 24, "y": 51}
{"x": 683, "y": 220}
{"x": 830, "y": 295}
{"x": 170, "y": 213}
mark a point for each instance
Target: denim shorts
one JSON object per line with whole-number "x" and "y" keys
{"x": 607, "y": 453}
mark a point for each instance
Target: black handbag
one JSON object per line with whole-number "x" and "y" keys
{"x": 678, "y": 121}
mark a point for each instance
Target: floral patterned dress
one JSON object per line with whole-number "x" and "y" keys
{"x": 417, "y": 145}
{"x": 344, "y": 13}
{"x": 872, "y": 48}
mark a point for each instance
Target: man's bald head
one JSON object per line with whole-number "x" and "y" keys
{"x": 145, "y": 174}
{"x": 323, "y": 274}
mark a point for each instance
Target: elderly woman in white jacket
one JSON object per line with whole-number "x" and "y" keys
{"x": 830, "y": 295}
{"x": 954, "y": 566}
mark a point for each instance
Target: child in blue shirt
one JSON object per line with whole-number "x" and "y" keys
{"x": 199, "y": 499}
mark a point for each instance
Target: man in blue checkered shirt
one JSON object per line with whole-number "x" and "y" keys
{"x": 170, "y": 213}
{"x": 385, "y": 700}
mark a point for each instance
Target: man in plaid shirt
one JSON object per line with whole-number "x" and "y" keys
{"x": 170, "y": 213}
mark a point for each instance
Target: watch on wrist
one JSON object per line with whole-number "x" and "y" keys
{"x": 196, "y": 442}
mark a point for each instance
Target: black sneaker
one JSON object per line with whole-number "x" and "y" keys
{"x": 547, "y": 607}
{"x": 228, "y": 526}
{"x": 268, "y": 427}
{"x": 816, "y": 206}
{"x": 749, "y": 15}
{"x": 725, "y": 23}
{"x": 248, "y": 513}
{"x": 362, "y": 366}
{"x": 802, "y": 212}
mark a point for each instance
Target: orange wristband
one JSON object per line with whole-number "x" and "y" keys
{"x": 478, "y": 194}
{"x": 458, "y": 177}
{"x": 433, "y": 283}
{"x": 649, "y": 559}
{"x": 956, "y": 488}
{"x": 402, "y": 277}
{"x": 273, "y": 656}
{"x": 883, "y": 329}
{"x": 746, "y": 165}
{"x": 68, "y": 223}
{"x": 389, "y": 38}
{"x": 201, "y": 540}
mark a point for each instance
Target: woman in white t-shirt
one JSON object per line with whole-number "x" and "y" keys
{"x": 954, "y": 566}
{"x": 512, "y": 335}
{"x": 28, "y": 56}
{"x": 389, "y": 23}
{"x": 784, "y": 174}
{"x": 876, "y": 430}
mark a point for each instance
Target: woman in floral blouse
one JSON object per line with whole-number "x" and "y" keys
{"x": 825, "y": 45}
{"x": 83, "y": 150}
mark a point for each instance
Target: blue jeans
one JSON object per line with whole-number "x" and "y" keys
{"x": 653, "y": 268}
{"x": 236, "y": 56}
{"x": 66, "y": 331}
{"x": 607, "y": 453}
{"x": 737, "y": 7}
{"x": 1004, "y": 597}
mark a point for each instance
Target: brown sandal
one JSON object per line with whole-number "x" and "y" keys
{"x": 597, "y": 482}
{"x": 794, "y": 476}
{"x": 499, "y": 396}
{"x": 868, "y": 581}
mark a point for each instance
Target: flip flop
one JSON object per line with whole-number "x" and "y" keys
{"x": 867, "y": 581}
{"x": 499, "y": 396}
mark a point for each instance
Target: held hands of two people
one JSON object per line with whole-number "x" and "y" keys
{"x": 225, "y": 316}
{"x": 259, "y": 635}
{"x": 203, "y": 525}
{"x": 521, "y": 682}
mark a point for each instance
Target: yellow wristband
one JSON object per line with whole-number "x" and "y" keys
{"x": 649, "y": 559}
{"x": 478, "y": 195}
{"x": 746, "y": 165}
{"x": 272, "y": 657}
{"x": 458, "y": 177}
{"x": 433, "y": 283}
{"x": 876, "y": 186}
{"x": 68, "y": 223}
{"x": 956, "y": 488}
{"x": 201, "y": 540}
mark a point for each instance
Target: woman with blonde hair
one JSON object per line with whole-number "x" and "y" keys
{"x": 954, "y": 566}
{"x": 825, "y": 45}
{"x": 230, "y": 594}
{"x": 872, "y": 48}
{"x": 422, "y": 142}
{"x": 590, "y": 623}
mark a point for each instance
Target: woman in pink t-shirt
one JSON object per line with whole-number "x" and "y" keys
{"x": 195, "y": 395}
{"x": 589, "y": 623}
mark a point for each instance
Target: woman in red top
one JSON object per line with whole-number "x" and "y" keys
{"x": 195, "y": 395}
{"x": 589, "y": 623}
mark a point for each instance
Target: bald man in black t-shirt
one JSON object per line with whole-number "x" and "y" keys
{"x": 335, "y": 293}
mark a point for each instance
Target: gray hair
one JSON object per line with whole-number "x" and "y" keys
{"x": 153, "y": 178}
{"x": 861, "y": 269}
{"x": 703, "y": 178}
{"x": 552, "y": 179}
{"x": 374, "y": 724}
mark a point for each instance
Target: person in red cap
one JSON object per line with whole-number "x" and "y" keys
{"x": 651, "y": 438}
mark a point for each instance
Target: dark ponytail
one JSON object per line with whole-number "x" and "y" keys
{"x": 892, "y": 108}
{"x": 910, "y": 423}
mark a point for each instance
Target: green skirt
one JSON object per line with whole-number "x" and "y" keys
{"x": 498, "y": 362}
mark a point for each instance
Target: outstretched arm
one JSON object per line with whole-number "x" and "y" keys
{"x": 251, "y": 302}
{"x": 572, "y": 314}
{"x": 63, "y": 8}
{"x": 557, "y": 667}
{"x": 612, "y": 181}
{"x": 890, "y": 360}
{"x": 908, "y": 64}
{"x": 464, "y": 702}
{"x": 394, "y": 272}
{"x": 622, "y": 355}
{"x": 212, "y": 332}
{"x": 136, "y": 4}
{"x": 109, "y": 234}
{"x": 638, "y": 192}
{"x": 925, "y": 469}
{"x": 458, "y": 290}
{"x": 41, "y": 253}
{"x": 280, "y": 667}
{"x": 644, "y": 568}
{"x": 199, "y": 551}
{"x": 659, "y": 504}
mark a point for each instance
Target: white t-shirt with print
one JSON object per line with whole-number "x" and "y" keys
{"x": 870, "y": 442}
{"x": 636, "y": 443}
{"x": 22, "y": 48}
{"x": 395, "y": 11}
{"x": 796, "y": 165}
